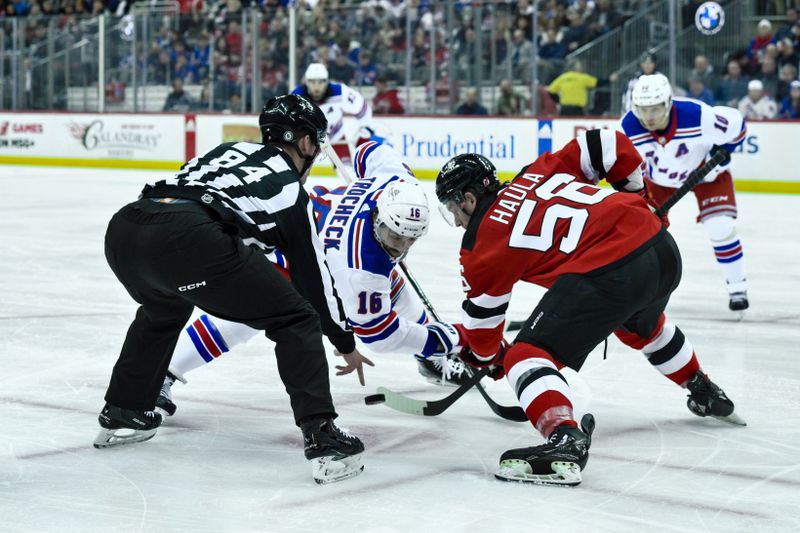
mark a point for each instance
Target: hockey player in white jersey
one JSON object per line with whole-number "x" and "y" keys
{"x": 675, "y": 136}
{"x": 337, "y": 100}
{"x": 366, "y": 228}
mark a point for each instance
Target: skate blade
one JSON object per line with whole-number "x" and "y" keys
{"x": 330, "y": 469}
{"x": 108, "y": 438}
{"x": 565, "y": 474}
{"x": 732, "y": 418}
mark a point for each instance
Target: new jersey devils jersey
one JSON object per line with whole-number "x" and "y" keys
{"x": 694, "y": 129}
{"x": 340, "y": 100}
{"x": 547, "y": 222}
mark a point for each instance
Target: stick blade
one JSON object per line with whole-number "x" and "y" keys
{"x": 401, "y": 403}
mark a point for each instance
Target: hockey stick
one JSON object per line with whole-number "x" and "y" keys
{"x": 719, "y": 157}
{"x": 395, "y": 400}
{"x": 514, "y": 413}
{"x": 408, "y": 405}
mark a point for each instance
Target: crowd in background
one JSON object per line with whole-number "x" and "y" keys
{"x": 363, "y": 44}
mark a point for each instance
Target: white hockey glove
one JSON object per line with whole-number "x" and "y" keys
{"x": 443, "y": 339}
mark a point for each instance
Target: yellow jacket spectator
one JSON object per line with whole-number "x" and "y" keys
{"x": 572, "y": 89}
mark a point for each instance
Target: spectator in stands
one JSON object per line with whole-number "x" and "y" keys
{"x": 162, "y": 69}
{"x": 234, "y": 104}
{"x": 785, "y": 31}
{"x": 367, "y": 71}
{"x": 520, "y": 55}
{"x": 510, "y": 101}
{"x": 704, "y": 72}
{"x": 341, "y": 70}
{"x": 178, "y": 100}
{"x": 273, "y": 78}
{"x": 757, "y": 45}
{"x": 733, "y": 87}
{"x": 545, "y": 105}
{"x": 699, "y": 91}
{"x": 787, "y": 54}
{"x": 204, "y": 103}
{"x": 757, "y": 105}
{"x": 790, "y": 105}
{"x": 769, "y": 75}
{"x": 787, "y": 76}
{"x": 604, "y": 18}
{"x": 199, "y": 55}
{"x": 184, "y": 71}
{"x": 386, "y": 100}
{"x": 571, "y": 90}
{"x": 471, "y": 106}
{"x": 577, "y": 34}
{"x": 551, "y": 46}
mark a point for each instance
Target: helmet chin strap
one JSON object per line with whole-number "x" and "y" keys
{"x": 375, "y": 225}
{"x": 309, "y": 159}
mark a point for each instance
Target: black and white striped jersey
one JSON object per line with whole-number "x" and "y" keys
{"x": 257, "y": 188}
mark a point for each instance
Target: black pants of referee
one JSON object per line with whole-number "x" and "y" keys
{"x": 173, "y": 257}
{"x": 580, "y": 310}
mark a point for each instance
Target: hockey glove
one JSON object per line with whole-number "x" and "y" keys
{"x": 364, "y": 134}
{"x": 443, "y": 339}
{"x": 495, "y": 364}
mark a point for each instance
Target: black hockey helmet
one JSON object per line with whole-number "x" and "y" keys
{"x": 288, "y": 117}
{"x": 464, "y": 171}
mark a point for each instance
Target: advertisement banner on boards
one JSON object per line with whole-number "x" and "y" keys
{"x": 93, "y": 136}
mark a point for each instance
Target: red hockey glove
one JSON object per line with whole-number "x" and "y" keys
{"x": 495, "y": 364}
{"x": 651, "y": 203}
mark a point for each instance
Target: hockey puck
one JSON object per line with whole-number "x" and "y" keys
{"x": 373, "y": 399}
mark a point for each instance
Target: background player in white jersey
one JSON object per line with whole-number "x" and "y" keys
{"x": 675, "y": 136}
{"x": 336, "y": 100}
{"x": 365, "y": 228}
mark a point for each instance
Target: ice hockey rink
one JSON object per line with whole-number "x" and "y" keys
{"x": 231, "y": 458}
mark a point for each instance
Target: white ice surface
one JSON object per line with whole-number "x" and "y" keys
{"x": 231, "y": 459}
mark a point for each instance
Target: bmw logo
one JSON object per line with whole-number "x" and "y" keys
{"x": 709, "y": 18}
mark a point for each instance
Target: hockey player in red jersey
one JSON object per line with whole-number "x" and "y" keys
{"x": 610, "y": 267}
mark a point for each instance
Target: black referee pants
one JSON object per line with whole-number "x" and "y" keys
{"x": 173, "y": 257}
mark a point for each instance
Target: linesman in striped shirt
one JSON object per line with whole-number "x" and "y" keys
{"x": 199, "y": 239}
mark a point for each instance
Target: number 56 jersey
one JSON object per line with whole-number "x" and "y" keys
{"x": 546, "y": 222}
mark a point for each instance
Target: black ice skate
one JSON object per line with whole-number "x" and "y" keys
{"x": 557, "y": 462}
{"x": 707, "y": 399}
{"x": 446, "y": 370}
{"x": 164, "y": 402}
{"x": 334, "y": 453}
{"x": 738, "y": 301}
{"x": 125, "y": 426}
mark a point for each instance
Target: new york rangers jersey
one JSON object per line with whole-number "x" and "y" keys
{"x": 384, "y": 314}
{"x": 340, "y": 100}
{"x": 694, "y": 129}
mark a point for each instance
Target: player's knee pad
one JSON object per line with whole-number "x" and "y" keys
{"x": 720, "y": 228}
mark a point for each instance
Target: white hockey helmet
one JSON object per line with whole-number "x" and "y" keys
{"x": 652, "y": 101}
{"x": 316, "y": 71}
{"x": 403, "y": 216}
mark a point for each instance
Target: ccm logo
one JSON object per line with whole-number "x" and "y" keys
{"x": 192, "y": 286}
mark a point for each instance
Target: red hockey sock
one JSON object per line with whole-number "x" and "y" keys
{"x": 542, "y": 391}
